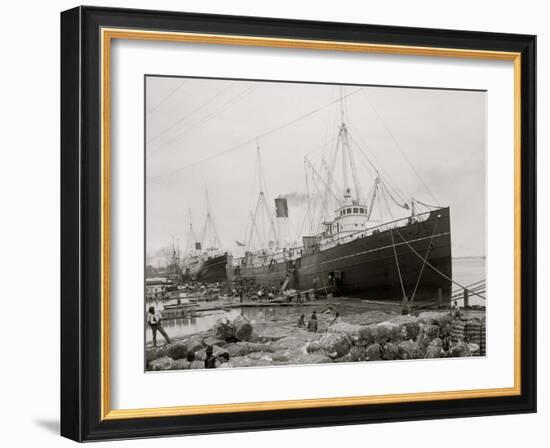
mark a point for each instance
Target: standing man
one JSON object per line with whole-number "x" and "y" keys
{"x": 455, "y": 310}
{"x": 315, "y": 284}
{"x": 154, "y": 319}
{"x": 312, "y": 325}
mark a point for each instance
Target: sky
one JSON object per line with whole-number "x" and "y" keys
{"x": 202, "y": 138}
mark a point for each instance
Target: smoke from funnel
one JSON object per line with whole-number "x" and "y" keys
{"x": 295, "y": 198}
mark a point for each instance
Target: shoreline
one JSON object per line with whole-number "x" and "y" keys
{"x": 346, "y": 332}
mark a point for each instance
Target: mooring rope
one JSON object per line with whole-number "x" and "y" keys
{"x": 435, "y": 269}
{"x": 424, "y": 262}
{"x": 397, "y": 264}
{"x": 453, "y": 298}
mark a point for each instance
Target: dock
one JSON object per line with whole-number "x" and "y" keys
{"x": 187, "y": 310}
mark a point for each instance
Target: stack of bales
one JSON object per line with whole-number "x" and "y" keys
{"x": 482, "y": 345}
{"x": 472, "y": 331}
{"x": 457, "y": 329}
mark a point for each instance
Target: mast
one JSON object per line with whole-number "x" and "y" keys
{"x": 262, "y": 208}
{"x": 192, "y": 243}
{"x": 209, "y": 225}
{"x": 348, "y": 160}
{"x": 341, "y": 134}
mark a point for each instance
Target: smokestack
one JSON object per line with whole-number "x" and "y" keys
{"x": 281, "y": 212}
{"x": 281, "y": 208}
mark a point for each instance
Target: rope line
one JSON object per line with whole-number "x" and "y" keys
{"x": 193, "y": 126}
{"x": 435, "y": 269}
{"x": 424, "y": 262}
{"x": 161, "y": 102}
{"x": 397, "y": 264}
{"x": 247, "y": 142}
{"x": 398, "y": 146}
{"x": 180, "y": 120}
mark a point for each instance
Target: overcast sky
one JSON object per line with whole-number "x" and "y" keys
{"x": 427, "y": 144}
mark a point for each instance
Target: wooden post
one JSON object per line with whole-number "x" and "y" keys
{"x": 439, "y": 297}
{"x": 404, "y": 306}
{"x": 466, "y": 299}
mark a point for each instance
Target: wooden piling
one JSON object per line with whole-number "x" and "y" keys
{"x": 466, "y": 298}
{"x": 405, "y": 306}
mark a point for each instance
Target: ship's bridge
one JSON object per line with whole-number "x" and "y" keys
{"x": 350, "y": 217}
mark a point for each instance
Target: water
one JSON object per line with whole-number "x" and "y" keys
{"x": 190, "y": 325}
{"x": 465, "y": 271}
{"x": 205, "y": 321}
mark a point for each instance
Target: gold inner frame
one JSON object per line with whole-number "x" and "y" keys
{"x": 107, "y": 35}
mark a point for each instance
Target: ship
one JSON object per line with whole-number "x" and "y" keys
{"x": 213, "y": 269}
{"x": 352, "y": 254}
{"x": 205, "y": 260}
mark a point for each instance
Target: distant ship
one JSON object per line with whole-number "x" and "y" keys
{"x": 213, "y": 269}
{"x": 353, "y": 255}
{"x": 205, "y": 264}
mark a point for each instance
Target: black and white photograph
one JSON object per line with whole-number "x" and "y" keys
{"x": 267, "y": 224}
{"x": 294, "y": 223}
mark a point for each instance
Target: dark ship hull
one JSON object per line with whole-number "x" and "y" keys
{"x": 366, "y": 267}
{"x": 213, "y": 269}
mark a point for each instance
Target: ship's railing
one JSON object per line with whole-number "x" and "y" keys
{"x": 333, "y": 242}
{"x": 260, "y": 260}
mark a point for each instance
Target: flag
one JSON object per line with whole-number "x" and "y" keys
{"x": 238, "y": 243}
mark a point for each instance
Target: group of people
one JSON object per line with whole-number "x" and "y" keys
{"x": 211, "y": 361}
{"x": 313, "y": 323}
{"x": 264, "y": 294}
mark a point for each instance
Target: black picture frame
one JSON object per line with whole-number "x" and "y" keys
{"x": 81, "y": 224}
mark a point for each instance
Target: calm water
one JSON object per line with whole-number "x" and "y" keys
{"x": 465, "y": 271}
{"x": 205, "y": 321}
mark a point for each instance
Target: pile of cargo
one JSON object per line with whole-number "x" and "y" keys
{"x": 457, "y": 329}
{"x": 370, "y": 336}
{"x": 191, "y": 352}
{"x": 474, "y": 332}
{"x": 401, "y": 337}
{"x": 483, "y": 343}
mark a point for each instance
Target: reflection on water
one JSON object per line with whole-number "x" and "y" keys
{"x": 189, "y": 325}
{"x": 205, "y": 321}
{"x": 465, "y": 271}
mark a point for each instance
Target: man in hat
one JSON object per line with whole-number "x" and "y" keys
{"x": 154, "y": 319}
